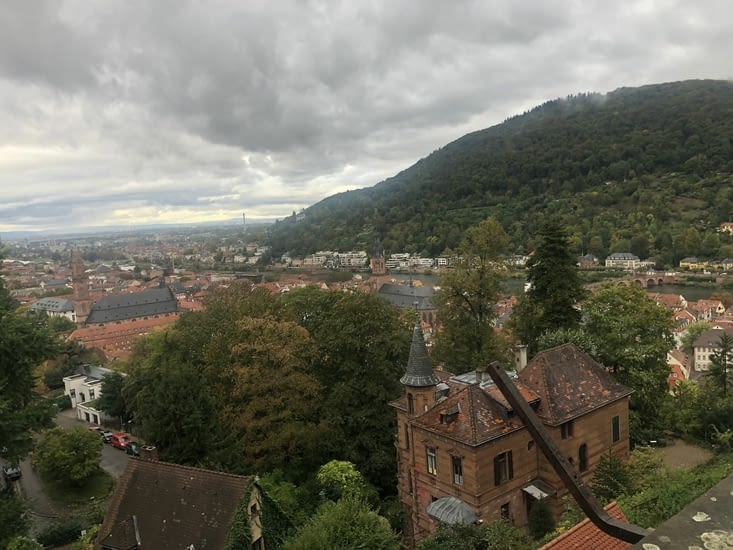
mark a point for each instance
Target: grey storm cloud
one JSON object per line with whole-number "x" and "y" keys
{"x": 139, "y": 110}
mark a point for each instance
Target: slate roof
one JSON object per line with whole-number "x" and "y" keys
{"x": 711, "y": 338}
{"x": 57, "y": 305}
{"x": 408, "y": 296}
{"x": 419, "y": 371}
{"x": 569, "y": 383}
{"x": 174, "y": 507}
{"x": 586, "y": 535}
{"x": 118, "y": 307}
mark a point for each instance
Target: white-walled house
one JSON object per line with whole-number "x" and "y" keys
{"x": 83, "y": 389}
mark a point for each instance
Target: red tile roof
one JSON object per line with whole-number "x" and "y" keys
{"x": 586, "y": 535}
{"x": 569, "y": 383}
{"x": 480, "y": 418}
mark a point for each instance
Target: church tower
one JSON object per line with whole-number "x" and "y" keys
{"x": 376, "y": 262}
{"x": 80, "y": 281}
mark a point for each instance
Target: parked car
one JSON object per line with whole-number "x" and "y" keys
{"x": 106, "y": 435}
{"x": 120, "y": 440}
{"x": 11, "y": 474}
{"x": 133, "y": 448}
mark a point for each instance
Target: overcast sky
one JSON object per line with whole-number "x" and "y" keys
{"x": 167, "y": 111}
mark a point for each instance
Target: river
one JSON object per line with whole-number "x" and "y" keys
{"x": 515, "y": 286}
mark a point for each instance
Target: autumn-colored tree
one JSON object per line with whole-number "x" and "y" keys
{"x": 267, "y": 396}
{"x": 363, "y": 343}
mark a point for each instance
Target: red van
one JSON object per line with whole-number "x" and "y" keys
{"x": 120, "y": 440}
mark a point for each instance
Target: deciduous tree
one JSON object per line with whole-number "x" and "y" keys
{"x": 348, "y": 524}
{"x": 24, "y": 344}
{"x": 112, "y": 401}
{"x": 68, "y": 455}
{"x": 632, "y": 335}
{"x": 466, "y": 301}
{"x": 362, "y": 347}
{"x": 498, "y": 534}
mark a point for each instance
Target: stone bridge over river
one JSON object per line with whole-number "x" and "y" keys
{"x": 644, "y": 280}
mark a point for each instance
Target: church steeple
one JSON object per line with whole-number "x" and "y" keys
{"x": 419, "y": 372}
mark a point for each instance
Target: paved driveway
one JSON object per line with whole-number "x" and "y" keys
{"x": 113, "y": 461}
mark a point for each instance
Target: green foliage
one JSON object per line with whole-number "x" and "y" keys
{"x": 86, "y": 541}
{"x": 340, "y": 478}
{"x": 24, "y": 543}
{"x": 62, "y": 532}
{"x": 633, "y": 335}
{"x": 632, "y": 170}
{"x": 540, "y": 521}
{"x": 240, "y": 535}
{"x": 296, "y": 502}
{"x": 466, "y": 301}
{"x": 13, "y": 519}
{"x": 499, "y": 534}
{"x": 68, "y": 455}
{"x": 692, "y": 333}
{"x": 672, "y": 492}
{"x": 24, "y": 344}
{"x": 345, "y": 525}
{"x": 257, "y": 383}
{"x": 112, "y": 401}
{"x": 721, "y": 363}
{"x": 646, "y": 468}
{"x": 63, "y": 402}
{"x": 611, "y": 478}
{"x": 577, "y": 336}
{"x": 276, "y": 524}
{"x": 680, "y": 414}
{"x": 362, "y": 347}
{"x": 555, "y": 289}
{"x": 168, "y": 400}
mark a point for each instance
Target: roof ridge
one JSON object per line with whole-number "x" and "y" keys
{"x": 472, "y": 412}
{"x": 190, "y": 468}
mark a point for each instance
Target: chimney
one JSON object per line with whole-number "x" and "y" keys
{"x": 520, "y": 357}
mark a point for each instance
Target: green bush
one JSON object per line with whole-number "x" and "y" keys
{"x": 540, "y": 518}
{"x": 63, "y": 402}
{"x": 63, "y": 532}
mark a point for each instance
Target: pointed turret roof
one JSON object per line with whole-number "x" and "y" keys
{"x": 419, "y": 368}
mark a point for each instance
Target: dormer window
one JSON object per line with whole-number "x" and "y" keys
{"x": 450, "y": 414}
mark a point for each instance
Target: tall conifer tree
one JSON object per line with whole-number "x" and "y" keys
{"x": 554, "y": 287}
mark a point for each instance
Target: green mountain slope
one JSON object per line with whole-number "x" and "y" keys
{"x": 643, "y": 169}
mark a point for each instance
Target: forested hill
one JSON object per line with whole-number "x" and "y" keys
{"x": 642, "y": 169}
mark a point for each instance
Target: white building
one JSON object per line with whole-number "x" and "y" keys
{"x": 623, "y": 260}
{"x": 83, "y": 389}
